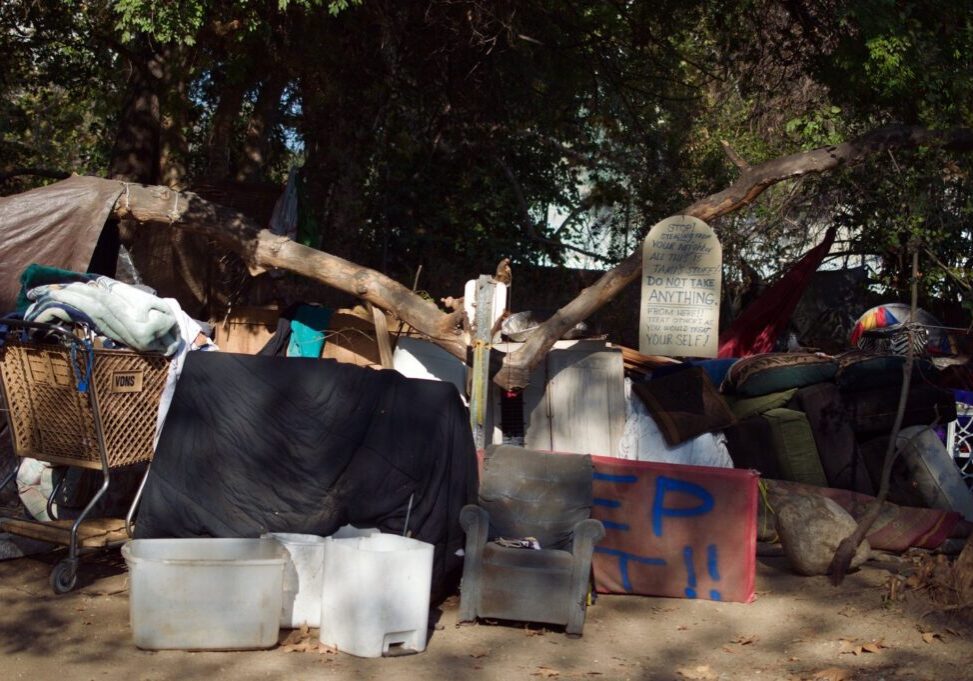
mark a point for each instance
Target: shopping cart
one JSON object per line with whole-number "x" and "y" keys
{"x": 71, "y": 403}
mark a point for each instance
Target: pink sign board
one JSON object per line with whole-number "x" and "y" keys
{"x": 673, "y": 530}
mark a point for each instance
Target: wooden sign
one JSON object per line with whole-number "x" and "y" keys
{"x": 682, "y": 263}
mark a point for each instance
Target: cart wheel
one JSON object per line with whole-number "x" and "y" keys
{"x": 64, "y": 576}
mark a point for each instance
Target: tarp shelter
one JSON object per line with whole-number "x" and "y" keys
{"x": 58, "y": 225}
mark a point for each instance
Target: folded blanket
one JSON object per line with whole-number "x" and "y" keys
{"x": 124, "y": 313}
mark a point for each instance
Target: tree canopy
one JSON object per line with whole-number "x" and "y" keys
{"x": 450, "y": 133}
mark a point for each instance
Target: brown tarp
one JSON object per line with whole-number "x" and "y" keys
{"x": 57, "y": 225}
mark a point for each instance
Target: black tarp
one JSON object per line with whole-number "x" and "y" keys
{"x": 272, "y": 444}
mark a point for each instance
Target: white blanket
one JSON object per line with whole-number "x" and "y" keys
{"x": 643, "y": 441}
{"x": 124, "y": 313}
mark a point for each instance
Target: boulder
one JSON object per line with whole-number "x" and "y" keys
{"x": 810, "y": 528}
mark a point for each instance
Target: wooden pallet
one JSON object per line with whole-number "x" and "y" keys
{"x": 97, "y": 533}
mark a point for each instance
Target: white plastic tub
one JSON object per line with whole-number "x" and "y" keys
{"x": 205, "y": 594}
{"x": 375, "y": 594}
{"x": 301, "y": 598}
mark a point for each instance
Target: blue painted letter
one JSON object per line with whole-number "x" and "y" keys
{"x": 660, "y": 510}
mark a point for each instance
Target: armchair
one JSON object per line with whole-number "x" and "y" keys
{"x": 524, "y": 493}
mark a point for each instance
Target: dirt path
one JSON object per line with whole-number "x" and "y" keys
{"x": 798, "y": 627}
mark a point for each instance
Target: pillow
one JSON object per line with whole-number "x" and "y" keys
{"x": 684, "y": 405}
{"x": 775, "y": 372}
{"x": 859, "y": 370}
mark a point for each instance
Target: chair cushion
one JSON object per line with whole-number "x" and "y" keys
{"x": 874, "y": 411}
{"x": 684, "y": 405}
{"x": 773, "y": 372}
{"x": 830, "y": 422}
{"x": 797, "y": 455}
{"x": 527, "y": 559}
{"x": 751, "y": 445}
{"x": 535, "y": 494}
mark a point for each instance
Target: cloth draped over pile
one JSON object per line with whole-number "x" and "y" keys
{"x": 755, "y": 331}
{"x": 271, "y": 444}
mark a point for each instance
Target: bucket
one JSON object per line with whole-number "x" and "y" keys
{"x": 375, "y": 594}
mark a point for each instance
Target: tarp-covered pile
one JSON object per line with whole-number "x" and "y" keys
{"x": 269, "y": 444}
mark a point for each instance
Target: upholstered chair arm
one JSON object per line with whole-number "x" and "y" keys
{"x": 475, "y": 521}
{"x": 586, "y": 534}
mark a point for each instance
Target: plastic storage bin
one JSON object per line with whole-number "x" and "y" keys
{"x": 375, "y": 594}
{"x": 205, "y": 594}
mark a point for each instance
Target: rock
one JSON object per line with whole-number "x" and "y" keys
{"x": 810, "y": 528}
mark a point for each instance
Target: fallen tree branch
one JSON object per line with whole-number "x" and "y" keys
{"x": 260, "y": 249}
{"x": 751, "y": 183}
{"x": 53, "y": 173}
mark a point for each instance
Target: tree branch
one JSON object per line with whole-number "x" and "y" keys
{"x": 528, "y": 224}
{"x": 750, "y": 184}
{"x": 260, "y": 249}
{"x": 734, "y": 157}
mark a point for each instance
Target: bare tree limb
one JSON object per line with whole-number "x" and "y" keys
{"x": 846, "y": 550}
{"x": 734, "y": 157}
{"x": 261, "y": 249}
{"x": 750, "y": 184}
{"x": 529, "y": 225}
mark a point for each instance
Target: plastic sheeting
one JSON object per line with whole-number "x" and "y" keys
{"x": 57, "y": 225}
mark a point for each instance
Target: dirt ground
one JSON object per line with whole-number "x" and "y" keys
{"x": 798, "y": 628}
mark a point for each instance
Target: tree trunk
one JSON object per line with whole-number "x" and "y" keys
{"x": 221, "y": 133}
{"x": 135, "y": 155}
{"x": 266, "y": 115}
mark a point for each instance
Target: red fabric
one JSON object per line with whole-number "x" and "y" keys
{"x": 674, "y": 530}
{"x": 897, "y": 528}
{"x": 755, "y": 331}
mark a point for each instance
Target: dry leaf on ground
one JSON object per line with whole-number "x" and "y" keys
{"x": 699, "y": 673}
{"x": 834, "y": 674}
{"x": 546, "y": 673}
{"x": 477, "y": 653}
{"x": 856, "y": 647}
{"x": 746, "y": 640}
{"x": 930, "y": 636}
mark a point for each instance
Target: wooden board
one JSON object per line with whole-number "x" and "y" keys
{"x": 94, "y": 533}
{"x": 246, "y": 330}
{"x": 580, "y": 407}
